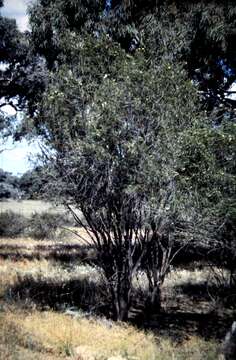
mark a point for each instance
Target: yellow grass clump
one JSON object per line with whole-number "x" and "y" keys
{"x": 83, "y": 339}
{"x": 50, "y": 336}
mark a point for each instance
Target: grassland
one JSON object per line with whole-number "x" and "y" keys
{"x": 52, "y": 303}
{"x": 28, "y": 207}
{"x": 30, "y": 331}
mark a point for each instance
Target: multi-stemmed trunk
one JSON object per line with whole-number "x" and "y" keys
{"x": 159, "y": 255}
{"x": 122, "y": 302}
{"x": 153, "y": 302}
{"x": 120, "y": 288}
{"x": 118, "y": 270}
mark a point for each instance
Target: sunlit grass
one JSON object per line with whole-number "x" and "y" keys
{"x": 27, "y": 333}
{"x": 58, "y": 335}
{"x": 62, "y": 335}
{"x": 28, "y": 207}
{"x": 12, "y": 273}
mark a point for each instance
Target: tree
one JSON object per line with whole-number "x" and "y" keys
{"x": 9, "y": 185}
{"x": 126, "y": 140}
{"x": 117, "y": 154}
{"x": 128, "y": 145}
{"x": 203, "y": 33}
{"x": 223, "y": 252}
{"x": 32, "y": 183}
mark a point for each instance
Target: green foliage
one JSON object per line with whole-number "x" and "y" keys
{"x": 146, "y": 133}
{"x": 9, "y": 39}
{"x": 9, "y": 185}
{"x": 32, "y": 184}
{"x": 29, "y": 186}
{"x": 49, "y": 20}
{"x": 194, "y": 33}
{"x": 23, "y": 76}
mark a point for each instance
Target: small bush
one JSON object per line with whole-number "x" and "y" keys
{"x": 45, "y": 225}
{"x": 12, "y": 224}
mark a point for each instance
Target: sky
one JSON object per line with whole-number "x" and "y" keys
{"x": 17, "y": 9}
{"x": 15, "y": 158}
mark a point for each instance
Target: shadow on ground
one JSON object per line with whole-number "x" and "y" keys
{"x": 57, "y": 252}
{"x": 176, "y": 323}
{"x": 188, "y": 307}
{"x": 57, "y": 295}
{"x": 222, "y": 294}
{"x": 201, "y": 309}
{"x": 182, "y": 325}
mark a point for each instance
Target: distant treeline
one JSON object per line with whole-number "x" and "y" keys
{"x": 27, "y": 186}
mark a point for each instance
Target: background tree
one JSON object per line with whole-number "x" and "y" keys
{"x": 32, "y": 183}
{"x": 9, "y": 186}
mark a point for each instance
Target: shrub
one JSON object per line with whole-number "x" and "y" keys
{"x": 45, "y": 225}
{"x": 12, "y": 224}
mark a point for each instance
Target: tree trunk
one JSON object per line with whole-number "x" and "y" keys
{"x": 153, "y": 303}
{"x": 156, "y": 299}
{"x": 121, "y": 299}
{"x": 122, "y": 310}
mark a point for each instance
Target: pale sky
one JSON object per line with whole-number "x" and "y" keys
{"x": 18, "y": 157}
{"x": 17, "y": 9}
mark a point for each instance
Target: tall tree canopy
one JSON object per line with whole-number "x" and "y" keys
{"x": 198, "y": 33}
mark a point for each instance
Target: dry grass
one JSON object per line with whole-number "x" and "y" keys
{"x": 28, "y": 243}
{"x": 185, "y": 276}
{"x": 67, "y": 248}
{"x": 27, "y": 333}
{"x": 28, "y": 207}
{"x": 60, "y": 335}
{"x": 45, "y": 269}
{"x": 194, "y": 348}
{"x": 11, "y": 273}
{"x": 177, "y": 278}
{"x": 50, "y": 335}
{"x": 74, "y": 236}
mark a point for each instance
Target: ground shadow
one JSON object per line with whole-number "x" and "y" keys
{"x": 204, "y": 291}
{"x": 192, "y": 310}
{"x": 91, "y": 297}
{"x": 182, "y": 325}
{"x": 175, "y": 321}
{"x": 57, "y": 252}
{"x": 57, "y": 295}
